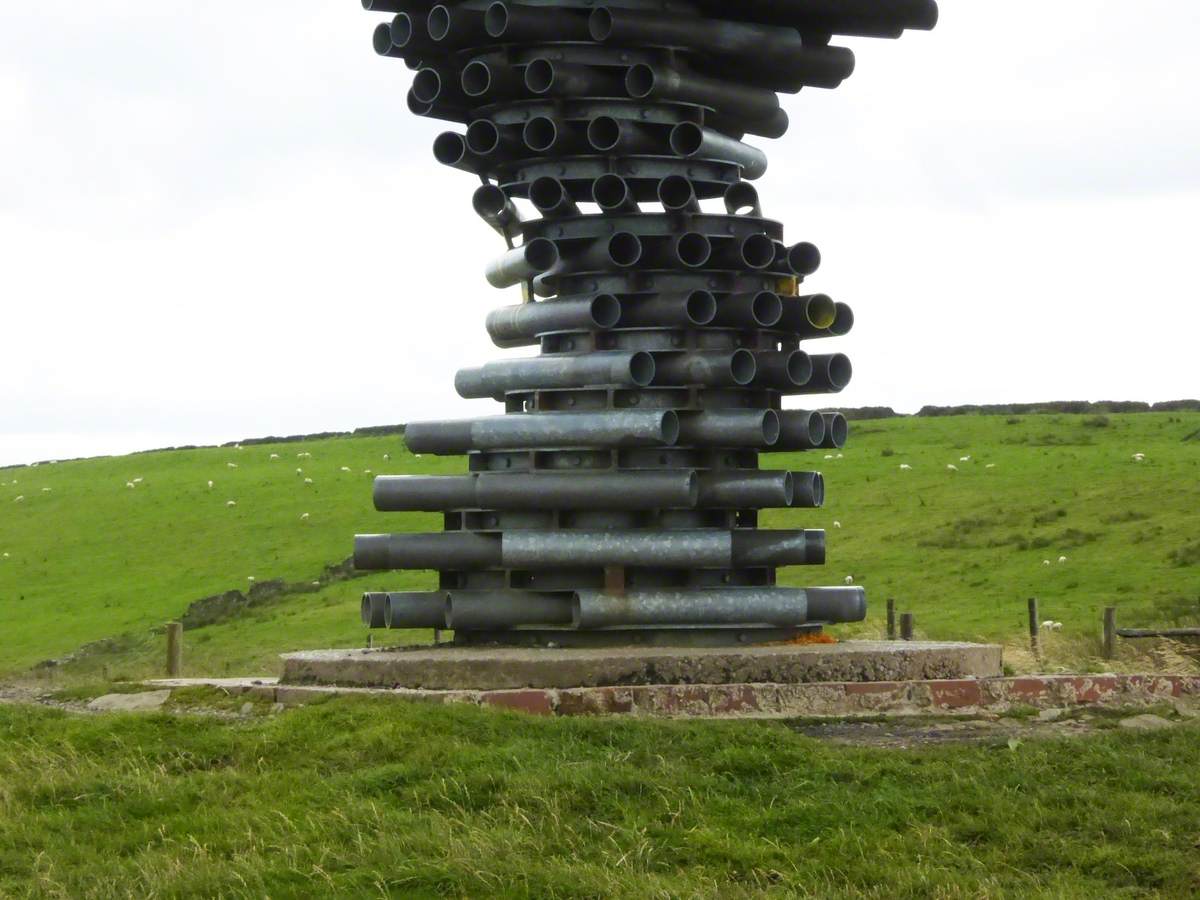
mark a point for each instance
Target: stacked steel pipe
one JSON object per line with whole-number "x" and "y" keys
{"x": 616, "y": 499}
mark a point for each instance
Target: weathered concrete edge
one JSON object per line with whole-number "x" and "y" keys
{"x": 835, "y": 699}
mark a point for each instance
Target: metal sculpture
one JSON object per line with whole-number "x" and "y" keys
{"x": 616, "y": 499}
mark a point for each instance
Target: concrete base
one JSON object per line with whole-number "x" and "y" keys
{"x": 450, "y": 667}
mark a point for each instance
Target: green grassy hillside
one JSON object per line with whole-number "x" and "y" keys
{"x": 84, "y": 557}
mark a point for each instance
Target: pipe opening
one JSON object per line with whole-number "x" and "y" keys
{"x": 364, "y": 609}
{"x": 675, "y": 193}
{"x": 789, "y": 489}
{"x": 804, "y": 258}
{"x": 799, "y": 367}
{"x": 839, "y": 370}
{"x": 610, "y": 191}
{"x": 476, "y": 78}
{"x": 820, "y": 310}
{"x": 540, "y": 133}
{"x": 844, "y": 320}
{"x": 483, "y": 137}
{"x": 624, "y": 249}
{"x": 381, "y": 39}
{"x": 701, "y": 307}
{"x": 449, "y": 148}
{"x": 600, "y": 24}
{"x": 541, "y": 254}
{"x": 742, "y": 369}
{"x": 670, "y": 427}
{"x": 767, "y": 308}
{"x": 546, "y": 193}
{"x": 816, "y": 428}
{"x": 488, "y": 201}
{"x": 438, "y": 22}
{"x": 686, "y": 139}
{"x": 603, "y": 133}
{"x": 838, "y": 430}
{"x": 741, "y": 199}
{"x": 415, "y": 106}
{"x": 448, "y": 610}
{"x": 427, "y": 85}
{"x": 770, "y": 426}
{"x": 539, "y": 75}
{"x": 818, "y": 489}
{"x": 606, "y": 311}
{"x": 693, "y": 249}
{"x": 495, "y": 20}
{"x": 639, "y": 81}
{"x": 576, "y": 611}
{"x": 758, "y": 251}
{"x": 641, "y": 368}
{"x": 403, "y": 29}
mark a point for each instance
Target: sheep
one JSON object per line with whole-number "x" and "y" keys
{"x": 1045, "y": 562}
{"x": 829, "y": 456}
{"x": 837, "y": 524}
{"x": 303, "y": 516}
{"x": 274, "y": 456}
{"x": 849, "y": 579}
{"x": 964, "y": 458}
{"x": 1062, "y": 559}
{"x": 308, "y": 481}
{"x": 231, "y": 465}
{"x": 990, "y": 466}
{"x": 345, "y": 468}
{"x": 841, "y": 456}
{"x": 316, "y": 584}
{"x": 1056, "y": 626}
{"x": 1048, "y": 624}
{"x": 46, "y": 490}
{"x": 952, "y": 467}
{"x": 138, "y": 480}
{"x": 20, "y": 498}
{"x": 6, "y": 555}
{"x": 250, "y": 578}
{"x": 231, "y": 503}
{"x": 210, "y": 484}
{"x": 299, "y": 471}
{"x": 366, "y": 471}
{"x": 905, "y": 467}
{"x": 130, "y": 484}
{"x": 387, "y": 456}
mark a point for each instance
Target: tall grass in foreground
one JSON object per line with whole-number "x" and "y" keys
{"x": 362, "y": 798}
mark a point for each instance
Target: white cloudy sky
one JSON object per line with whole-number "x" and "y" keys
{"x": 218, "y": 220}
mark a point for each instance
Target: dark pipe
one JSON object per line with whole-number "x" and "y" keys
{"x": 450, "y": 149}
{"x": 506, "y": 609}
{"x": 455, "y": 27}
{"x": 730, "y": 428}
{"x": 865, "y": 18}
{"x": 707, "y": 368}
{"x": 482, "y": 79}
{"x": 799, "y": 429}
{"x": 785, "y": 371}
{"x": 433, "y": 86}
{"x": 690, "y": 140}
{"x": 510, "y": 22}
{"x": 676, "y": 194}
{"x": 395, "y": 6}
{"x": 545, "y": 135}
{"x": 614, "y": 428}
{"x": 837, "y": 429}
{"x": 645, "y": 82}
{"x": 804, "y": 258}
{"x": 746, "y": 489}
{"x": 831, "y": 373}
{"x": 522, "y": 263}
{"x": 809, "y": 316}
{"x": 415, "y": 609}
{"x": 485, "y": 138}
{"x": 689, "y": 310}
{"x": 741, "y": 199}
{"x": 836, "y": 604}
{"x": 495, "y": 379}
{"x": 606, "y": 134}
{"x": 755, "y": 251}
{"x": 781, "y": 607}
{"x": 612, "y": 194}
{"x": 760, "y": 309}
{"x": 549, "y": 196}
{"x": 520, "y": 325}
{"x": 381, "y": 40}
{"x": 372, "y": 610}
{"x": 808, "y": 490}
{"x": 493, "y": 206}
{"x": 544, "y": 76}
{"x": 447, "y": 550}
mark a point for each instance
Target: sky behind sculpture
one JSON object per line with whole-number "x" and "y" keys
{"x": 215, "y": 227}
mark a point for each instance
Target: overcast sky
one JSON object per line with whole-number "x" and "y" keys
{"x": 218, "y": 220}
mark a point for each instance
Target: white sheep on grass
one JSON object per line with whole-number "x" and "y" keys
{"x": 1062, "y": 559}
{"x": 231, "y": 465}
{"x": 231, "y": 503}
{"x": 905, "y": 467}
{"x": 308, "y": 481}
{"x": 20, "y": 498}
{"x": 210, "y": 484}
{"x": 837, "y": 524}
{"x": 130, "y": 484}
{"x": 952, "y": 467}
{"x": 1045, "y": 562}
{"x": 274, "y": 456}
{"x": 303, "y": 516}
{"x": 849, "y": 579}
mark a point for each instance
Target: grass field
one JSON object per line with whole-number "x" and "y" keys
{"x": 83, "y": 557}
{"x": 360, "y": 798}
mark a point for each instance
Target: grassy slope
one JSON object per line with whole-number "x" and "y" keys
{"x": 92, "y": 558}
{"x": 361, "y": 798}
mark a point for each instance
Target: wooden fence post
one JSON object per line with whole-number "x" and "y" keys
{"x": 1110, "y": 632}
{"x": 891, "y": 618}
{"x": 174, "y": 649}
{"x": 906, "y": 626}
{"x": 1033, "y": 626}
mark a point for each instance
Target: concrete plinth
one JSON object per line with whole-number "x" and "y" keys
{"x": 506, "y": 668}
